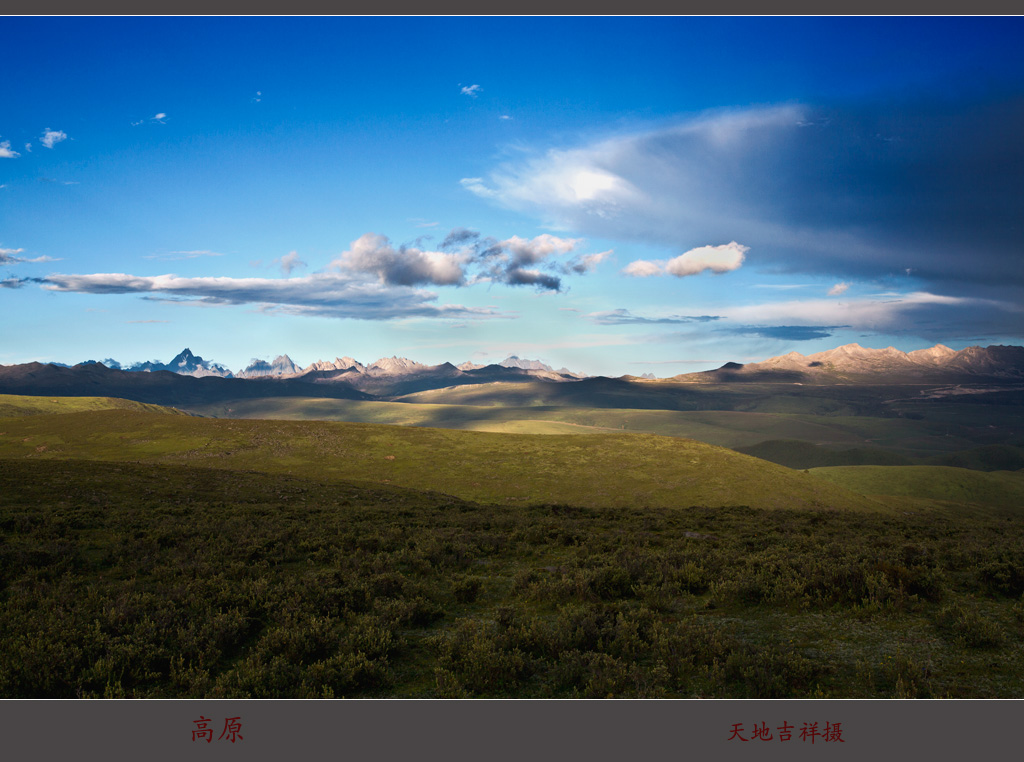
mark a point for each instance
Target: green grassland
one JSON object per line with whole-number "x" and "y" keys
{"x": 724, "y": 428}
{"x": 16, "y": 406}
{"x": 910, "y": 431}
{"x": 594, "y": 470}
{"x": 144, "y": 580}
{"x": 144, "y": 554}
{"x": 958, "y": 485}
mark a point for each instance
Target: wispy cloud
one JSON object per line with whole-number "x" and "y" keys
{"x": 50, "y": 138}
{"x": 158, "y": 118}
{"x": 919, "y": 313}
{"x": 289, "y": 262}
{"x": 319, "y": 295}
{"x": 839, "y": 289}
{"x": 6, "y": 152}
{"x": 625, "y": 317}
{"x": 943, "y": 202}
{"x": 171, "y": 256}
{"x": 787, "y": 332}
{"x": 7, "y": 257}
{"x": 585, "y": 263}
{"x": 19, "y": 282}
{"x": 471, "y": 90}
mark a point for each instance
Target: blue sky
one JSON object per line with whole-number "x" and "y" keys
{"x": 612, "y": 195}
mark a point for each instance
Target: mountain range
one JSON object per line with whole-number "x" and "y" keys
{"x": 189, "y": 378}
{"x": 188, "y": 364}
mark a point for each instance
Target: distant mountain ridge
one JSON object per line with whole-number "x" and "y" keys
{"x": 184, "y": 363}
{"x": 282, "y": 366}
{"x": 854, "y": 363}
{"x": 395, "y": 377}
{"x": 345, "y": 377}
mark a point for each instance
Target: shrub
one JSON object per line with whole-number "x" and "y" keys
{"x": 968, "y": 627}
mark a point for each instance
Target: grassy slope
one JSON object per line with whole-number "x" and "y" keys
{"x": 594, "y": 470}
{"x": 723, "y": 428}
{"x": 234, "y": 558}
{"x": 142, "y": 580}
{"x": 999, "y": 488}
{"x": 794, "y": 453}
{"x": 942, "y": 432}
{"x": 16, "y": 406}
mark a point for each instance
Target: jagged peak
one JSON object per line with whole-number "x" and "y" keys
{"x": 395, "y": 365}
{"x": 347, "y": 362}
{"x": 514, "y": 361}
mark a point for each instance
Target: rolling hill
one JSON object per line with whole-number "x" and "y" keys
{"x": 596, "y": 470}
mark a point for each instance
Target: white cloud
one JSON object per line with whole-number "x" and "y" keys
{"x": 530, "y": 251}
{"x": 717, "y": 259}
{"x": 471, "y": 90}
{"x": 51, "y": 138}
{"x": 6, "y": 152}
{"x": 838, "y": 289}
{"x": 373, "y": 253}
{"x": 504, "y": 117}
{"x": 159, "y": 118}
{"x": 476, "y": 185}
{"x": 643, "y": 268}
{"x": 28, "y": 147}
{"x": 465, "y": 258}
{"x": 289, "y": 262}
{"x": 559, "y": 186}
